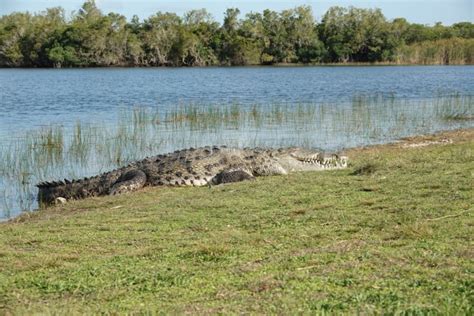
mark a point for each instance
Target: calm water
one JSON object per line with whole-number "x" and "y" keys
{"x": 34, "y": 98}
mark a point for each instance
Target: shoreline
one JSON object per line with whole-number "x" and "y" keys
{"x": 411, "y": 142}
{"x": 277, "y": 65}
{"x": 438, "y": 138}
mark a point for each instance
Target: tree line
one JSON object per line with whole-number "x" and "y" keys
{"x": 91, "y": 38}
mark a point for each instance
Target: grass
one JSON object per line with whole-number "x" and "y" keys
{"x": 392, "y": 234}
{"x": 453, "y": 51}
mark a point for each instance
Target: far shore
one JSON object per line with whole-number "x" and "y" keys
{"x": 276, "y": 65}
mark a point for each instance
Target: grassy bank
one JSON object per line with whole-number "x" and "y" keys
{"x": 391, "y": 234}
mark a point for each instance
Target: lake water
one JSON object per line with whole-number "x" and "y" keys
{"x": 328, "y": 107}
{"x": 40, "y": 96}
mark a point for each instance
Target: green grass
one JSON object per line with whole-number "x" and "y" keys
{"x": 392, "y": 234}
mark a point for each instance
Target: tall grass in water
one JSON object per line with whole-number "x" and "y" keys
{"x": 455, "y": 107}
{"x": 56, "y": 152}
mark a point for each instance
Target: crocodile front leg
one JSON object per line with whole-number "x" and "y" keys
{"x": 233, "y": 175}
{"x": 130, "y": 181}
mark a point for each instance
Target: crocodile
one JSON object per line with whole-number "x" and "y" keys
{"x": 192, "y": 167}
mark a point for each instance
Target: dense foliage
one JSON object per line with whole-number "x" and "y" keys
{"x": 91, "y": 38}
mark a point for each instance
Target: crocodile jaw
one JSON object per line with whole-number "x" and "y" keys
{"x": 304, "y": 160}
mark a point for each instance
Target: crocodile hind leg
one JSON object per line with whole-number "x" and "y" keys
{"x": 233, "y": 175}
{"x": 128, "y": 182}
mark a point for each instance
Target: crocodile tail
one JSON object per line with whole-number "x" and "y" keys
{"x": 51, "y": 184}
{"x": 49, "y": 191}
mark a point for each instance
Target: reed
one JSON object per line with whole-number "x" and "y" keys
{"x": 455, "y": 108}
{"x": 454, "y": 51}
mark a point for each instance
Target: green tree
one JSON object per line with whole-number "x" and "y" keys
{"x": 60, "y": 56}
{"x": 230, "y": 44}
{"x": 355, "y": 35}
{"x": 464, "y": 29}
{"x": 302, "y": 36}
{"x": 159, "y": 36}
{"x": 91, "y": 38}
{"x": 253, "y": 32}
{"x": 13, "y": 28}
{"x": 277, "y": 48}
{"x": 201, "y": 29}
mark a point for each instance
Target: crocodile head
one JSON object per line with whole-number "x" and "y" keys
{"x": 300, "y": 159}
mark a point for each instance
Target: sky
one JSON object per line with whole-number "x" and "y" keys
{"x": 415, "y": 11}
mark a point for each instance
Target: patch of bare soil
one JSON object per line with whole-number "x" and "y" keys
{"x": 442, "y": 138}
